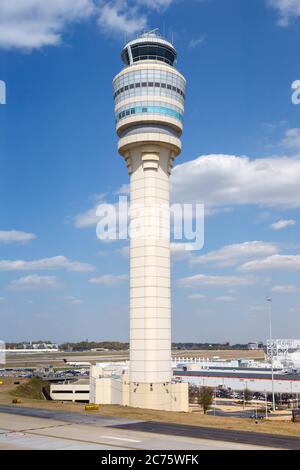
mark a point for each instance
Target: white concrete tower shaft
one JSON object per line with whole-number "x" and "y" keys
{"x": 149, "y": 98}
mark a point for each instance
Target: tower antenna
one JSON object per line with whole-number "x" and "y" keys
{"x": 152, "y": 31}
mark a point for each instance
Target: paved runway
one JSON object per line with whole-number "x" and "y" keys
{"x": 69, "y": 417}
{"x": 69, "y": 431}
{"x": 217, "y": 434}
{"x": 23, "y": 432}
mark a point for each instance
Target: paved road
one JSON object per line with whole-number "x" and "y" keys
{"x": 216, "y": 434}
{"x": 247, "y": 414}
{"x": 68, "y": 417}
{"x": 18, "y": 431}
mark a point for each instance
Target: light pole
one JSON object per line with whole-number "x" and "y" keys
{"x": 215, "y": 399}
{"x": 269, "y": 300}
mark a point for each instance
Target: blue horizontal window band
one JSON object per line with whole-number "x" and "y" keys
{"x": 150, "y": 109}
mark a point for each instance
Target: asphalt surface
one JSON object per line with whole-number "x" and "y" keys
{"x": 245, "y": 414}
{"x": 68, "y": 417}
{"x": 216, "y": 434}
{"x": 25, "y": 432}
{"x": 194, "y": 433}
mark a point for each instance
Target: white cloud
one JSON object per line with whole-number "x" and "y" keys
{"x": 225, "y": 298}
{"x": 281, "y": 224}
{"x": 258, "y": 308}
{"x": 33, "y": 24}
{"x": 34, "y": 281}
{"x": 111, "y": 214}
{"x": 288, "y": 9}
{"x": 180, "y": 251}
{"x": 128, "y": 16}
{"x": 119, "y": 16}
{"x": 292, "y": 139}
{"x": 197, "y": 41}
{"x": 86, "y": 219}
{"x": 89, "y": 217}
{"x": 231, "y": 255}
{"x": 285, "y": 289}
{"x": 197, "y": 297}
{"x": 211, "y": 281}
{"x": 72, "y": 300}
{"x": 56, "y": 262}
{"x": 295, "y": 310}
{"x": 124, "y": 251}
{"x": 76, "y": 302}
{"x": 124, "y": 189}
{"x": 274, "y": 262}
{"x": 155, "y": 4}
{"x": 226, "y": 180}
{"x": 14, "y": 236}
{"x": 109, "y": 279}
{"x": 222, "y": 180}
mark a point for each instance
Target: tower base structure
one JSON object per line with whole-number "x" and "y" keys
{"x": 172, "y": 396}
{"x": 117, "y": 390}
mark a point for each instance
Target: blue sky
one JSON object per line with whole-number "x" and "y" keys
{"x": 58, "y": 154}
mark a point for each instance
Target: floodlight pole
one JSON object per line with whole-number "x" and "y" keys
{"x": 269, "y": 300}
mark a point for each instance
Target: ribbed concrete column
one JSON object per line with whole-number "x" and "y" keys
{"x": 150, "y": 308}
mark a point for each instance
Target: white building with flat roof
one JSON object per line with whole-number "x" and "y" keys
{"x": 78, "y": 391}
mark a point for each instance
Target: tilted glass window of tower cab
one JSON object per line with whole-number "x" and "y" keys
{"x": 149, "y": 95}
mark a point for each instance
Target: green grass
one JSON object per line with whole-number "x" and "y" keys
{"x": 32, "y": 389}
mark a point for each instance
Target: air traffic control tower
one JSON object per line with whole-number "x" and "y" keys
{"x": 149, "y": 96}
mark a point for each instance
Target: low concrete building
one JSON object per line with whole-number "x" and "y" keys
{"x": 111, "y": 388}
{"x": 78, "y": 391}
